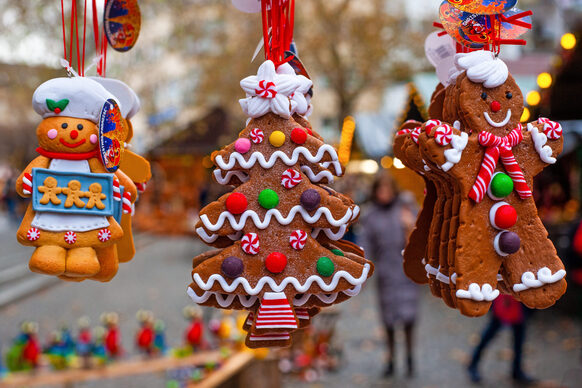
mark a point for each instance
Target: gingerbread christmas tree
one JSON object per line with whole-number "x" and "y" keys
{"x": 280, "y": 229}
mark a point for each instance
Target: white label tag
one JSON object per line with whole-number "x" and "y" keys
{"x": 439, "y": 48}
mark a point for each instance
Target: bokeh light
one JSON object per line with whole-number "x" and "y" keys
{"x": 525, "y": 115}
{"x": 533, "y": 98}
{"x": 568, "y": 41}
{"x": 544, "y": 80}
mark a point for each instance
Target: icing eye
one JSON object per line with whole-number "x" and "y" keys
{"x": 508, "y": 95}
{"x": 64, "y": 125}
{"x": 484, "y": 96}
{"x": 80, "y": 127}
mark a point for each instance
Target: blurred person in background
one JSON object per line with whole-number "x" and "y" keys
{"x": 385, "y": 227}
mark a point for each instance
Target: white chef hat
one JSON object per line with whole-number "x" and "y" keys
{"x": 78, "y": 97}
{"x": 129, "y": 102}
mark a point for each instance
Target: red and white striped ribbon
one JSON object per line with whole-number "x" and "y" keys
{"x": 126, "y": 203}
{"x": 116, "y": 190}
{"x": 27, "y": 183}
{"x": 275, "y": 312}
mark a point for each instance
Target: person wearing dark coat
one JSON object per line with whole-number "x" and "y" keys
{"x": 385, "y": 227}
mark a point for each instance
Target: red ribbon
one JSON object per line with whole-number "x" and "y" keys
{"x": 68, "y": 155}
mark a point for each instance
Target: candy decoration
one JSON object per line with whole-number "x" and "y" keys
{"x": 506, "y": 243}
{"x": 104, "y": 235}
{"x": 232, "y": 267}
{"x": 552, "y": 129}
{"x": 337, "y": 252}
{"x": 499, "y": 147}
{"x": 236, "y": 203}
{"x": 268, "y": 199}
{"x": 27, "y": 183}
{"x": 70, "y": 237}
{"x": 277, "y": 139}
{"x": 33, "y": 234}
{"x": 275, "y": 312}
{"x": 309, "y": 131}
{"x": 141, "y": 187}
{"x": 250, "y": 244}
{"x": 432, "y": 124}
{"x": 415, "y": 134}
{"x": 242, "y": 145}
{"x": 502, "y": 216}
{"x": 257, "y": 135}
{"x": 501, "y": 186}
{"x": 290, "y": 178}
{"x": 298, "y": 239}
{"x": 325, "y": 266}
{"x": 126, "y": 203}
{"x": 116, "y": 190}
{"x": 276, "y": 262}
{"x": 298, "y": 135}
{"x": 310, "y": 199}
{"x": 443, "y": 135}
{"x": 404, "y": 131}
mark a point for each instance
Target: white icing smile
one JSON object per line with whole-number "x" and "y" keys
{"x": 496, "y": 124}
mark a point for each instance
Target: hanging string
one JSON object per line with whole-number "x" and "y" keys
{"x": 278, "y": 18}
{"x": 64, "y": 32}
{"x": 82, "y": 69}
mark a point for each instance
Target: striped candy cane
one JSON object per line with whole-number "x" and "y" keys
{"x": 27, "y": 183}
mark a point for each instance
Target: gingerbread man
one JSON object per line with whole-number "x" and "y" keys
{"x": 494, "y": 162}
{"x": 95, "y": 196}
{"x": 74, "y": 194}
{"x": 50, "y": 191}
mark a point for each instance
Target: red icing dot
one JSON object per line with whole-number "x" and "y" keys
{"x": 505, "y": 217}
{"x": 495, "y": 106}
{"x": 309, "y": 131}
{"x": 276, "y": 262}
{"x": 236, "y": 203}
{"x": 298, "y": 135}
{"x": 57, "y": 110}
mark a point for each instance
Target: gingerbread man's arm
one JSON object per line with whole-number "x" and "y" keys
{"x": 24, "y": 181}
{"x": 542, "y": 143}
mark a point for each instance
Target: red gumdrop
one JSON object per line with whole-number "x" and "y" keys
{"x": 505, "y": 217}
{"x": 495, "y": 106}
{"x": 236, "y": 203}
{"x": 298, "y": 135}
{"x": 276, "y": 262}
{"x": 309, "y": 131}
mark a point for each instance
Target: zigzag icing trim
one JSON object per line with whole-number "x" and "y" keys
{"x": 247, "y": 301}
{"x": 223, "y": 180}
{"x": 263, "y": 224}
{"x": 210, "y": 238}
{"x": 301, "y": 288}
{"x": 255, "y": 157}
{"x": 317, "y": 177}
{"x": 329, "y": 233}
{"x": 544, "y": 276}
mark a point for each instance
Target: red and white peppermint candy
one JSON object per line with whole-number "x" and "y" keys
{"x": 104, "y": 235}
{"x": 257, "y": 135}
{"x": 27, "y": 183}
{"x": 552, "y": 129}
{"x": 33, "y": 234}
{"x": 430, "y": 125}
{"x": 70, "y": 237}
{"x": 443, "y": 134}
{"x": 290, "y": 178}
{"x": 415, "y": 134}
{"x": 250, "y": 244}
{"x": 404, "y": 131}
{"x": 297, "y": 239}
{"x": 266, "y": 89}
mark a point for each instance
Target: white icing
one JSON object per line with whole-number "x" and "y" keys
{"x": 336, "y": 165}
{"x": 266, "y": 280}
{"x": 263, "y": 224}
{"x": 329, "y": 233}
{"x": 489, "y": 192}
{"x": 224, "y": 180}
{"x": 441, "y": 277}
{"x": 540, "y": 139}
{"x": 300, "y": 97}
{"x": 210, "y": 238}
{"x": 492, "y": 212}
{"x": 483, "y": 67}
{"x": 544, "y": 276}
{"x": 496, "y": 245}
{"x": 315, "y": 178}
{"x": 430, "y": 270}
{"x": 453, "y": 154}
{"x": 478, "y": 293}
{"x": 496, "y": 124}
{"x": 499, "y": 277}
{"x": 255, "y": 157}
{"x": 269, "y": 92}
{"x": 454, "y": 278}
{"x": 457, "y": 125}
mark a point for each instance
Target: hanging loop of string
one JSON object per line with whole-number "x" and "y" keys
{"x": 278, "y": 18}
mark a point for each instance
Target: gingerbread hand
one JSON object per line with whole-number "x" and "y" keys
{"x": 444, "y": 145}
{"x": 545, "y": 137}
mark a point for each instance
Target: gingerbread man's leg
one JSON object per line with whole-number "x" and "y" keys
{"x": 48, "y": 260}
{"x": 82, "y": 262}
{"x": 109, "y": 263}
{"x": 535, "y": 273}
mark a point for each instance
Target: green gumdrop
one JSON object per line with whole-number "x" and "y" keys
{"x": 337, "y": 252}
{"x": 325, "y": 266}
{"x": 268, "y": 199}
{"x": 501, "y": 185}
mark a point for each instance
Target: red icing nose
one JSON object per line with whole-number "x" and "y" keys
{"x": 495, "y": 106}
{"x": 74, "y": 134}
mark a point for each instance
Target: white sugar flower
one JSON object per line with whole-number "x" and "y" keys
{"x": 300, "y": 96}
{"x": 269, "y": 92}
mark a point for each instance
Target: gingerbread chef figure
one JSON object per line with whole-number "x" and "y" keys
{"x": 75, "y": 233}
{"x": 493, "y": 158}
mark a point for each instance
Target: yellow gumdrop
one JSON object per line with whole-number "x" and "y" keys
{"x": 277, "y": 139}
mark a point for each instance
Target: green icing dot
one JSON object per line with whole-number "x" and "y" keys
{"x": 268, "y": 199}
{"x": 501, "y": 185}
{"x": 325, "y": 266}
{"x": 337, "y": 252}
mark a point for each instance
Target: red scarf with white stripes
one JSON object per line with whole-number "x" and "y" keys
{"x": 499, "y": 147}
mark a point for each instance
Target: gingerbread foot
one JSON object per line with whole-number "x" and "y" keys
{"x": 48, "y": 260}
{"x": 108, "y": 263}
{"x": 82, "y": 262}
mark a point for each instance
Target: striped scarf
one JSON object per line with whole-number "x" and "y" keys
{"x": 499, "y": 147}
